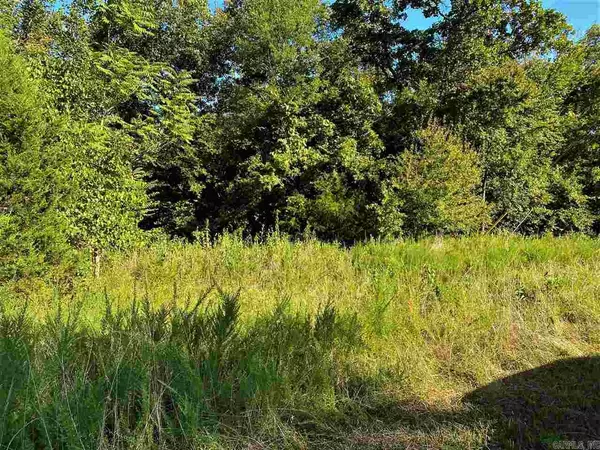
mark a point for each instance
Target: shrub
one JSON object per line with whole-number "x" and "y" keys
{"x": 437, "y": 185}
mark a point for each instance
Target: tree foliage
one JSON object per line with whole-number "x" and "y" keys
{"x": 333, "y": 117}
{"x": 31, "y": 187}
{"x": 65, "y": 183}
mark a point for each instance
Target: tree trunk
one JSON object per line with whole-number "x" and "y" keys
{"x": 96, "y": 261}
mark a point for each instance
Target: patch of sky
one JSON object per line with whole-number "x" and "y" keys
{"x": 581, "y": 14}
{"x": 415, "y": 20}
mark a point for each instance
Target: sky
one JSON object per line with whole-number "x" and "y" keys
{"x": 581, "y": 14}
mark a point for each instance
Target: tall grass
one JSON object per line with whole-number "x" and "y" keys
{"x": 282, "y": 344}
{"x": 167, "y": 377}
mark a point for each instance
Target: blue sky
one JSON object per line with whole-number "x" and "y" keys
{"x": 580, "y": 13}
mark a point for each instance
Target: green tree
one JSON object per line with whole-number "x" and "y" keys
{"x": 577, "y": 75}
{"x": 309, "y": 115}
{"x": 296, "y": 146}
{"x": 32, "y": 232}
{"x": 515, "y": 125}
{"x": 107, "y": 198}
{"x": 64, "y": 183}
{"x": 437, "y": 185}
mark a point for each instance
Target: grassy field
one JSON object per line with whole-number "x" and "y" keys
{"x": 481, "y": 342}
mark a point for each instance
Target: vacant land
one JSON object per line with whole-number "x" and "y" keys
{"x": 441, "y": 343}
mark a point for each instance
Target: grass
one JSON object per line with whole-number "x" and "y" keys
{"x": 440, "y": 343}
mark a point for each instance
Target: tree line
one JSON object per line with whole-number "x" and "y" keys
{"x": 120, "y": 119}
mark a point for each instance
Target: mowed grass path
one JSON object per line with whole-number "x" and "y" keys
{"x": 437, "y": 319}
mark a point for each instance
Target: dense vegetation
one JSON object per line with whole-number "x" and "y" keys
{"x": 322, "y": 118}
{"x": 253, "y": 178}
{"x": 309, "y": 345}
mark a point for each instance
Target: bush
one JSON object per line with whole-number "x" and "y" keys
{"x": 437, "y": 185}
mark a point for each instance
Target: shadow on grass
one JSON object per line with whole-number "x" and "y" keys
{"x": 546, "y": 406}
{"x": 171, "y": 378}
{"x": 555, "y": 406}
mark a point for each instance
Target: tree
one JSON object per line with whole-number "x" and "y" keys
{"x": 437, "y": 183}
{"x": 307, "y": 115}
{"x": 296, "y": 147}
{"x": 32, "y": 232}
{"x": 64, "y": 183}
{"x": 107, "y": 199}
{"x": 578, "y": 75}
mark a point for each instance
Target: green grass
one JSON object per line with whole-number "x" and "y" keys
{"x": 441, "y": 343}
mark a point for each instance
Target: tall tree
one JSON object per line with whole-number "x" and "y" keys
{"x": 31, "y": 186}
